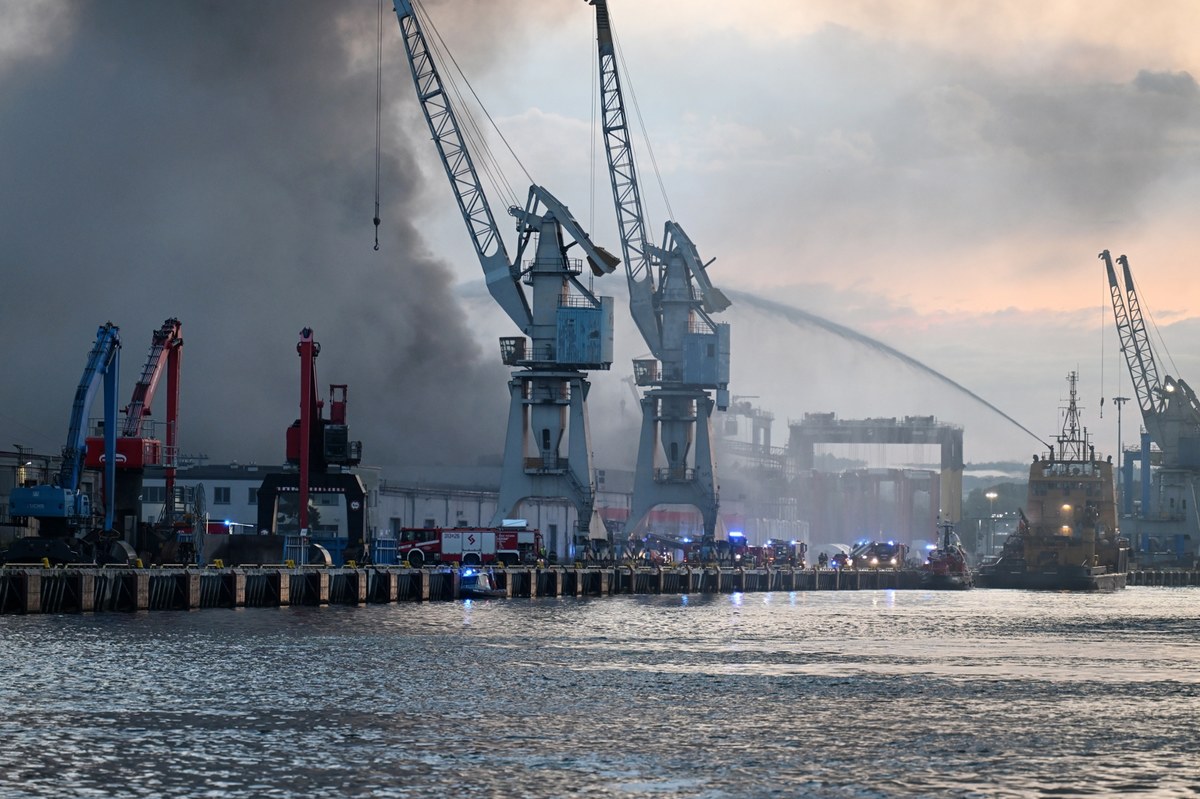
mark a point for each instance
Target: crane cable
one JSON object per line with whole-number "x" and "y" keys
{"x": 485, "y": 158}
{"x": 1103, "y": 328}
{"x": 1162, "y": 342}
{"x": 637, "y": 112}
{"x": 378, "y": 116}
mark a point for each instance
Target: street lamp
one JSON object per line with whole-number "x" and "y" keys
{"x": 991, "y": 538}
{"x": 1120, "y": 402}
{"x": 22, "y": 464}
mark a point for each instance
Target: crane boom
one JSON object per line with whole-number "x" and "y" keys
{"x": 627, "y": 196}
{"x": 102, "y": 363}
{"x": 64, "y": 503}
{"x": 164, "y": 341}
{"x": 646, "y": 265}
{"x": 670, "y": 299}
{"x": 1135, "y": 344}
{"x": 503, "y": 281}
{"x": 1138, "y": 355}
{"x": 1134, "y": 341}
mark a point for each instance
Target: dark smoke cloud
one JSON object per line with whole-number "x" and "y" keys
{"x": 215, "y": 162}
{"x": 1177, "y": 83}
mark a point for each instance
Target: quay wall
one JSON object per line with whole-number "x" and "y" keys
{"x": 31, "y": 589}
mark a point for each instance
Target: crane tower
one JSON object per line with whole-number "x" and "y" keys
{"x": 671, "y": 299}
{"x": 565, "y": 328}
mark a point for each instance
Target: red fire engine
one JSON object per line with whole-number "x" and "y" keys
{"x": 468, "y": 545}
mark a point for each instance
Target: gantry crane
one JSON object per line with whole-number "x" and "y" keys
{"x": 671, "y": 299}
{"x": 67, "y": 531}
{"x": 566, "y": 328}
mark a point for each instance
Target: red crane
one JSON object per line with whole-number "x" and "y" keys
{"x": 322, "y": 450}
{"x": 306, "y": 431}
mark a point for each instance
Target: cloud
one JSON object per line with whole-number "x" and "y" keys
{"x": 1177, "y": 83}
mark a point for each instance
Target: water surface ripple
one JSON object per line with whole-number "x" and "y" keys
{"x": 819, "y": 694}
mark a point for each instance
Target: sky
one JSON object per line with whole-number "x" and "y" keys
{"x": 935, "y": 177}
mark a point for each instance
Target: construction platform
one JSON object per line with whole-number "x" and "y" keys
{"x": 72, "y": 589}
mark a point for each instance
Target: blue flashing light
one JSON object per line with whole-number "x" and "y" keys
{"x": 228, "y": 523}
{"x": 736, "y": 534}
{"x": 468, "y": 572}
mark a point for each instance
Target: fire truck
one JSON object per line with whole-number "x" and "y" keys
{"x": 873, "y": 555}
{"x": 468, "y": 546}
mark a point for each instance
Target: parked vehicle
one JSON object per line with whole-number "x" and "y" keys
{"x": 509, "y": 545}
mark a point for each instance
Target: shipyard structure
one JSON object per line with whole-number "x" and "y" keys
{"x": 781, "y": 494}
{"x": 792, "y": 493}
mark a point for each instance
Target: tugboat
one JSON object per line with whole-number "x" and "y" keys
{"x": 946, "y": 567}
{"x": 1067, "y": 538}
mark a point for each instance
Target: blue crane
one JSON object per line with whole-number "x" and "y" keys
{"x": 566, "y": 328}
{"x": 1170, "y": 410}
{"x": 670, "y": 299}
{"x": 1170, "y": 494}
{"x": 64, "y": 508}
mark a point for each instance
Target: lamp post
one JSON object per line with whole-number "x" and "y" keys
{"x": 991, "y": 536}
{"x": 22, "y": 464}
{"x": 1120, "y": 402}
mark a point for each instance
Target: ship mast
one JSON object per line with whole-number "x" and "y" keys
{"x": 1073, "y": 440}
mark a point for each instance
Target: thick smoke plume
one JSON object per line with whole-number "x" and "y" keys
{"x": 215, "y": 162}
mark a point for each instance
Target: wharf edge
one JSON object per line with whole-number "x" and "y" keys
{"x": 32, "y": 589}
{"x": 74, "y": 589}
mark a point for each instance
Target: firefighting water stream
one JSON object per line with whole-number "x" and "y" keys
{"x": 821, "y": 694}
{"x": 806, "y": 319}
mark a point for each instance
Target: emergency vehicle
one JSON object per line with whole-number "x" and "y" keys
{"x": 509, "y": 545}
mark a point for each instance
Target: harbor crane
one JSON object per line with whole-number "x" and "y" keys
{"x": 137, "y": 446}
{"x": 66, "y": 518}
{"x": 566, "y": 329}
{"x": 671, "y": 299}
{"x": 1168, "y": 520}
{"x": 320, "y": 449}
{"x": 1170, "y": 410}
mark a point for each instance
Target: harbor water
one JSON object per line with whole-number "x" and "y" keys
{"x": 817, "y": 694}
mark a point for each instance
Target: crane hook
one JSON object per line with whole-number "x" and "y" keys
{"x": 378, "y": 115}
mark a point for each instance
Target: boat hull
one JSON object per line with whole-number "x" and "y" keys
{"x": 946, "y": 582}
{"x": 1062, "y": 579}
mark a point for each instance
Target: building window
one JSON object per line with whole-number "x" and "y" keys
{"x": 252, "y": 495}
{"x": 221, "y": 495}
{"x": 430, "y": 524}
{"x": 154, "y": 494}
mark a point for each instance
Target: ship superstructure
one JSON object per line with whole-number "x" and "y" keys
{"x": 1067, "y": 538}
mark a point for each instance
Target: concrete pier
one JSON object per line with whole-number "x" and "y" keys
{"x": 87, "y": 589}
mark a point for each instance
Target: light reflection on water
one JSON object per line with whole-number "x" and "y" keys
{"x": 825, "y": 694}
